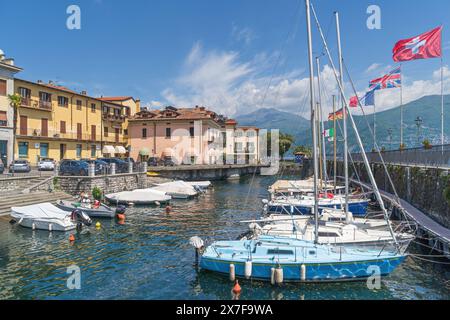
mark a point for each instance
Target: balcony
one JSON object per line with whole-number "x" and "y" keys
{"x": 113, "y": 117}
{"x": 36, "y": 104}
{"x": 52, "y": 134}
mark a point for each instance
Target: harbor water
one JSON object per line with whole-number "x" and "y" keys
{"x": 149, "y": 257}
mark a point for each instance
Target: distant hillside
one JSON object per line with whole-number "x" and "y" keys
{"x": 428, "y": 108}
{"x": 270, "y": 118}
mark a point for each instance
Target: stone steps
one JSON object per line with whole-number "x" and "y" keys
{"x": 29, "y": 199}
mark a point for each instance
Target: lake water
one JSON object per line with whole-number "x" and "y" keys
{"x": 149, "y": 257}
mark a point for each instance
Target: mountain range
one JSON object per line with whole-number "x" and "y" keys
{"x": 387, "y": 124}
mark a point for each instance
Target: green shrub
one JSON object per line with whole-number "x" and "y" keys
{"x": 97, "y": 193}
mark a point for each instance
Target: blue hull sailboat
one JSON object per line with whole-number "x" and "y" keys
{"x": 300, "y": 261}
{"x": 304, "y": 207}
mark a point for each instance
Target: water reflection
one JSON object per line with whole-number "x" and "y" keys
{"x": 149, "y": 257}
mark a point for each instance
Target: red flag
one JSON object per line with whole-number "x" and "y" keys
{"x": 353, "y": 102}
{"x": 425, "y": 46}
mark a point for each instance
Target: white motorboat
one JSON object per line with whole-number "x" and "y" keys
{"x": 46, "y": 216}
{"x": 233, "y": 177}
{"x": 202, "y": 185}
{"x": 176, "y": 189}
{"x": 139, "y": 197}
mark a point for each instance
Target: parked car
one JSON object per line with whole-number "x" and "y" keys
{"x": 100, "y": 166}
{"x": 76, "y": 168}
{"x": 46, "y": 164}
{"x": 168, "y": 162}
{"x": 153, "y": 161}
{"x": 121, "y": 165}
{"x": 2, "y": 167}
{"x": 20, "y": 166}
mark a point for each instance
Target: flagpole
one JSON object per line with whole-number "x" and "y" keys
{"x": 442, "y": 103}
{"x": 322, "y": 126}
{"x": 374, "y": 125}
{"x": 401, "y": 107}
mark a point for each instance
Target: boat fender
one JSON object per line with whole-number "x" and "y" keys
{"x": 265, "y": 201}
{"x": 33, "y": 226}
{"x": 50, "y": 227}
{"x": 98, "y": 225}
{"x": 303, "y": 272}
{"x": 120, "y": 216}
{"x": 168, "y": 209}
{"x": 71, "y": 238}
{"x": 248, "y": 269}
{"x": 237, "y": 288}
{"x": 279, "y": 275}
{"x": 232, "y": 272}
{"x": 272, "y": 276}
{"x": 196, "y": 242}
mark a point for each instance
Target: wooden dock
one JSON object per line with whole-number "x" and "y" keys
{"x": 438, "y": 235}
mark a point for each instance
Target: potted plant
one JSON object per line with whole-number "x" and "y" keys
{"x": 97, "y": 193}
{"x": 426, "y": 144}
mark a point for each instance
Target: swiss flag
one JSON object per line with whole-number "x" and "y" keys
{"x": 353, "y": 102}
{"x": 425, "y": 46}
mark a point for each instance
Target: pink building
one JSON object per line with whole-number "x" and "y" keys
{"x": 188, "y": 135}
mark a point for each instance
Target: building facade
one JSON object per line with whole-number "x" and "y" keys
{"x": 189, "y": 136}
{"x": 7, "y": 72}
{"x": 59, "y": 123}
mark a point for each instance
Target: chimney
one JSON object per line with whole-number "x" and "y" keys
{"x": 39, "y": 82}
{"x": 9, "y": 61}
{"x": 50, "y": 82}
{"x": 84, "y": 93}
{"x": 138, "y": 105}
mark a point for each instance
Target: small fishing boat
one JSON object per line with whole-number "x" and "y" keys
{"x": 296, "y": 260}
{"x": 102, "y": 211}
{"x": 46, "y": 216}
{"x": 177, "y": 189}
{"x": 139, "y": 197}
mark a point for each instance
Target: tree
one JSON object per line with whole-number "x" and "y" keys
{"x": 303, "y": 149}
{"x": 15, "y": 100}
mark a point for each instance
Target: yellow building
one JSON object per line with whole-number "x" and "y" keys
{"x": 56, "y": 122}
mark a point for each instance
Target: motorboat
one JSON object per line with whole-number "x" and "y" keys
{"x": 201, "y": 185}
{"x": 233, "y": 177}
{"x": 102, "y": 211}
{"x": 139, "y": 197}
{"x": 176, "y": 189}
{"x": 46, "y": 216}
{"x": 296, "y": 260}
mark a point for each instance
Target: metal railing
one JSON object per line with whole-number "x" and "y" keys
{"x": 433, "y": 156}
{"x": 73, "y": 135}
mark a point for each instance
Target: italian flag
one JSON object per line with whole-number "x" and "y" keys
{"x": 329, "y": 133}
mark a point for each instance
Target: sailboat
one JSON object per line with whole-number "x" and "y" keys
{"x": 302, "y": 260}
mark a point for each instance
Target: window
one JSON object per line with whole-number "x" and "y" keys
{"x": 63, "y": 101}
{"x": 280, "y": 251}
{"x": 117, "y": 112}
{"x": 238, "y": 134}
{"x": 238, "y": 146}
{"x": 2, "y": 87}
{"x": 79, "y": 131}
{"x": 191, "y": 132}
{"x": 93, "y": 151}
{"x": 251, "y": 147}
{"x": 128, "y": 112}
{"x": 144, "y": 133}
{"x": 43, "y": 150}
{"x": 105, "y": 132}
{"x": 23, "y": 149}
{"x": 25, "y": 92}
{"x": 62, "y": 127}
{"x": 105, "y": 109}
{"x": 23, "y": 125}
{"x": 93, "y": 107}
{"x": 79, "y": 149}
{"x": 79, "y": 104}
{"x": 125, "y": 132}
{"x": 168, "y": 132}
{"x": 251, "y": 133}
{"x": 3, "y": 119}
{"x": 44, "y": 96}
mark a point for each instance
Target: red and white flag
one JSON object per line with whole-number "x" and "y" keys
{"x": 425, "y": 46}
{"x": 354, "y": 102}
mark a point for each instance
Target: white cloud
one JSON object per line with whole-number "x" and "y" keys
{"x": 245, "y": 35}
{"x": 373, "y": 67}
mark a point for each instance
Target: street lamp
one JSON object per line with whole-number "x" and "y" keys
{"x": 419, "y": 122}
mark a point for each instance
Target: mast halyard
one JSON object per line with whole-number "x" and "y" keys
{"x": 334, "y": 145}
{"x": 344, "y": 108}
{"x": 322, "y": 127}
{"x": 313, "y": 122}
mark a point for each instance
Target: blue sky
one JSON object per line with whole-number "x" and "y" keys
{"x": 232, "y": 56}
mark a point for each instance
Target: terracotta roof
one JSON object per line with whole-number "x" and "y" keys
{"x": 230, "y": 121}
{"x": 171, "y": 113}
{"x": 115, "y": 98}
{"x": 58, "y": 87}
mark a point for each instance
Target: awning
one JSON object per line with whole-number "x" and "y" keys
{"x": 144, "y": 152}
{"x": 120, "y": 150}
{"x": 108, "y": 150}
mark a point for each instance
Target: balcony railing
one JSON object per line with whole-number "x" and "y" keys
{"x": 113, "y": 117}
{"x": 72, "y": 135}
{"x": 36, "y": 104}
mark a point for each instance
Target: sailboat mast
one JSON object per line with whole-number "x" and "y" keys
{"x": 344, "y": 118}
{"x": 322, "y": 126}
{"x": 334, "y": 145}
{"x": 313, "y": 122}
